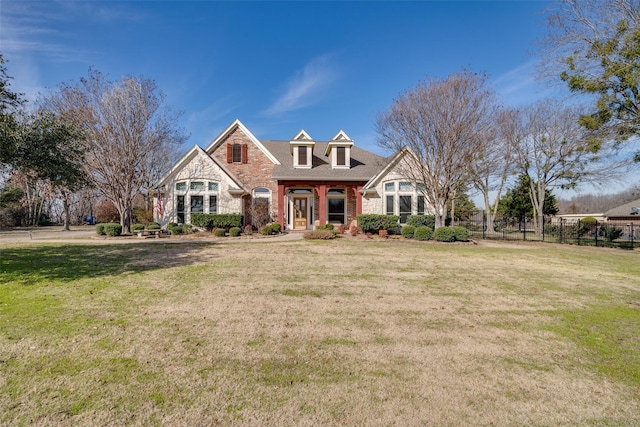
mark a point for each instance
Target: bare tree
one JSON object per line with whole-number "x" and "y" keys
{"x": 441, "y": 123}
{"x": 493, "y": 161}
{"x": 555, "y": 151}
{"x": 128, "y": 134}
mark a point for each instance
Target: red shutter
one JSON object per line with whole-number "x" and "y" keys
{"x": 244, "y": 153}
{"x": 229, "y": 153}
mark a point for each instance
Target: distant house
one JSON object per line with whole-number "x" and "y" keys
{"x": 303, "y": 182}
{"x": 627, "y": 212}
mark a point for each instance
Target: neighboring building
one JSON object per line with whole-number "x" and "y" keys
{"x": 626, "y": 212}
{"x": 302, "y": 182}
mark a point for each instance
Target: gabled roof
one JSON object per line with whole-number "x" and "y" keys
{"x": 232, "y": 127}
{"x": 364, "y": 164}
{"x": 190, "y": 156}
{"x": 302, "y": 136}
{"x": 625, "y": 210}
{"x": 392, "y": 163}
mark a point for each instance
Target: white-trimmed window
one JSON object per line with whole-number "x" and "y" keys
{"x": 402, "y": 199}
{"x": 302, "y": 156}
{"x": 336, "y": 206}
{"x": 195, "y": 196}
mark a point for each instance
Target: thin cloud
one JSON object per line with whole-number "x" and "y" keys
{"x": 306, "y": 86}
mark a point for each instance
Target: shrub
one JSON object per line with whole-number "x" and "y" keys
{"x": 422, "y": 233}
{"x": 211, "y": 221}
{"x": 220, "y": 232}
{"x": 100, "y": 229}
{"x": 408, "y": 231}
{"x": 354, "y": 230}
{"x": 372, "y": 223}
{"x": 276, "y": 227}
{"x": 266, "y": 230}
{"x": 234, "y": 231}
{"x": 460, "y": 233}
{"x": 419, "y": 220}
{"x": 187, "y": 228}
{"x": 444, "y": 234}
{"x": 611, "y": 233}
{"x": 112, "y": 229}
{"x": 137, "y": 227}
{"x": 552, "y": 230}
{"x": 174, "y": 228}
{"x": 153, "y": 226}
{"x": 248, "y": 229}
{"x": 383, "y": 233}
{"x": 319, "y": 234}
{"x": 341, "y": 229}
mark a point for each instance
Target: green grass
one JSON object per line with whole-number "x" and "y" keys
{"x": 144, "y": 334}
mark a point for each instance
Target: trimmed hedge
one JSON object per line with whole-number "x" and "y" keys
{"x": 408, "y": 231}
{"x": 211, "y": 221}
{"x": 100, "y": 229}
{"x": 174, "y": 228}
{"x": 153, "y": 226}
{"x": 276, "y": 227}
{"x": 372, "y": 223}
{"x": 423, "y": 233}
{"x": 461, "y": 233}
{"x": 137, "y": 227}
{"x": 112, "y": 229}
{"x": 444, "y": 234}
{"x": 420, "y": 220}
{"x": 234, "y": 231}
{"x": 220, "y": 232}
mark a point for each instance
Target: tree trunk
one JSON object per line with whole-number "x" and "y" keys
{"x": 67, "y": 211}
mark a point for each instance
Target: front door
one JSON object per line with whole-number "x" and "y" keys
{"x": 299, "y": 213}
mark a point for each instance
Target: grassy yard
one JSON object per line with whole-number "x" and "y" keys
{"x": 345, "y": 332}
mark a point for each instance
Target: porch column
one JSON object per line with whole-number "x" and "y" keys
{"x": 356, "y": 191}
{"x": 322, "y": 207}
{"x": 281, "y": 205}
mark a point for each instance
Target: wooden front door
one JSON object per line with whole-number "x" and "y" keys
{"x": 299, "y": 213}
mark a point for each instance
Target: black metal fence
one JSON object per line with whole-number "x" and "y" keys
{"x": 612, "y": 233}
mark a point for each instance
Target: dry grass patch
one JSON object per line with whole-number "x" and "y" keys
{"x": 343, "y": 332}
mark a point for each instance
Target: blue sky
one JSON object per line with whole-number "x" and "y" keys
{"x": 277, "y": 66}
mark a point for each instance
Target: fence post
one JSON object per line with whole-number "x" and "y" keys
{"x": 484, "y": 224}
{"x": 596, "y": 234}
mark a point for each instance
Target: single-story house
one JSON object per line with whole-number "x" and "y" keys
{"x": 627, "y": 212}
{"x": 303, "y": 182}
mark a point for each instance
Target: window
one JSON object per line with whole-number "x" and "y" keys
{"x": 213, "y": 204}
{"x": 213, "y": 186}
{"x": 405, "y": 186}
{"x": 180, "y": 208}
{"x": 237, "y": 153}
{"x": 390, "y": 186}
{"x": 336, "y": 210}
{"x": 405, "y": 208}
{"x": 197, "y": 185}
{"x": 390, "y": 205}
{"x": 341, "y": 157}
{"x": 181, "y": 186}
{"x": 302, "y": 155}
{"x": 420, "y": 205}
{"x": 197, "y": 204}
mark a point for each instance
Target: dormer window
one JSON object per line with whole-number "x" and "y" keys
{"x": 236, "y": 153}
{"x": 302, "y": 150}
{"x": 339, "y": 151}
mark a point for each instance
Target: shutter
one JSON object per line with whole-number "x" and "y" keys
{"x": 229, "y": 153}
{"x": 244, "y": 153}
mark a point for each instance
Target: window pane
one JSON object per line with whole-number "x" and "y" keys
{"x": 340, "y": 156}
{"x": 406, "y": 186}
{"x": 405, "y": 208}
{"x": 336, "y": 210}
{"x": 213, "y": 186}
{"x": 237, "y": 153}
{"x": 180, "y": 207}
{"x": 213, "y": 204}
{"x": 420, "y": 205}
{"x": 181, "y": 186}
{"x": 390, "y": 186}
{"x": 197, "y": 204}
{"x": 302, "y": 155}
{"x": 390, "y": 203}
{"x": 197, "y": 185}
{"x": 336, "y": 191}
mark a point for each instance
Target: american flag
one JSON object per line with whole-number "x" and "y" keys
{"x": 159, "y": 204}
